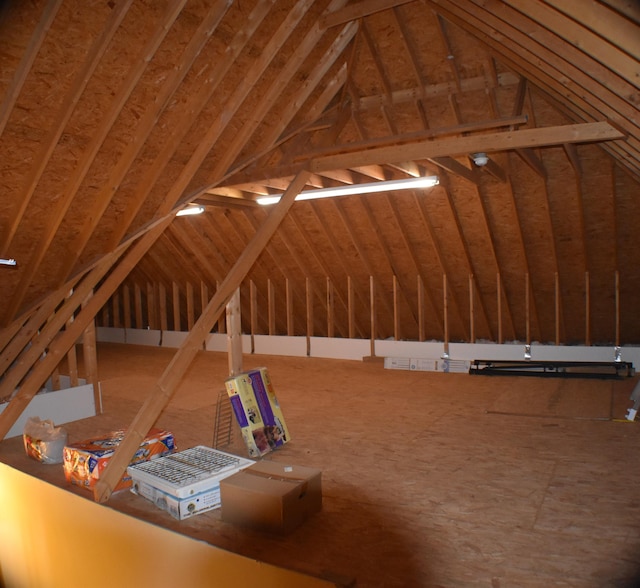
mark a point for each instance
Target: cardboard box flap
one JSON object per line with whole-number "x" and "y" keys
{"x": 282, "y": 471}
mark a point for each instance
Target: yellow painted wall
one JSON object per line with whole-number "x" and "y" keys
{"x": 50, "y": 538}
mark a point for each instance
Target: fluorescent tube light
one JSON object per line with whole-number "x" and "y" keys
{"x": 8, "y": 262}
{"x": 407, "y": 184}
{"x": 190, "y": 209}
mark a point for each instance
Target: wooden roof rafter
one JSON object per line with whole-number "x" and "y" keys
{"x": 35, "y": 43}
{"x": 143, "y": 132}
{"x": 44, "y": 155}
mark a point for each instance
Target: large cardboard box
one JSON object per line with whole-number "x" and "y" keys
{"x": 257, "y": 411}
{"x": 271, "y": 496}
{"x": 83, "y": 462}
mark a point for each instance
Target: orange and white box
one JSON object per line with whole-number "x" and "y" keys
{"x": 84, "y": 461}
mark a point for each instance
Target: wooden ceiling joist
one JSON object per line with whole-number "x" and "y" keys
{"x": 488, "y": 143}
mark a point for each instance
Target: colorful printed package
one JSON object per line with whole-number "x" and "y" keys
{"x": 257, "y": 411}
{"x": 85, "y": 461}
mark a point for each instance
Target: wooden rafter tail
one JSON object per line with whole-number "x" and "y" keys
{"x": 168, "y": 382}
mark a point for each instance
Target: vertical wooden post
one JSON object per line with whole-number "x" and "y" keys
{"x": 115, "y": 300}
{"x": 290, "y": 315}
{"x": 421, "y": 325}
{"x": 221, "y": 320}
{"x": 330, "y": 309}
{"x": 557, "y": 297}
{"x": 396, "y": 318}
{"x": 309, "y": 299}
{"x": 527, "y": 309}
{"x": 499, "y": 303}
{"x": 234, "y": 334}
{"x": 72, "y": 360}
{"x": 617, "y": 283}
{"x": 151, "y": 307}
{"x": 90, "y": 356}
{"x": 350, "y": 309}
{"x": 176, "y": 307}
{"x": 271, "y": 298}
{"x": 126, "y": 306}
{"x": 191, "y": 313}
{"x": 587, "y": 304}
{"x": 372, "y": 298}
{"x": 253, "y": 309}
{"x": 105, "y": 316}
{"x": 162, "y": 307}
{"x": 445, "y": 312}
{"x": 472, "y": 318}
{"x": 138, "y": 305}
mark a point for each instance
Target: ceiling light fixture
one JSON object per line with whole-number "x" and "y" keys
{"x": 407, "y": 184}
{"x": 11, "y": 262}
{"x": 190, "y": 209}
{"x": 480, "y": 159}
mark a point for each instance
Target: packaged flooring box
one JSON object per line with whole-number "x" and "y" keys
{"x": 270, "y": 496}
{"x": 257, "y": 411}
{"x": 84, "y": 462}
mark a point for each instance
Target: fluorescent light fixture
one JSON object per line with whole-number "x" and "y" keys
{"x": 11, "y": 262}
{"x": 190, "y": 209}
{"x": 407, "y": 184}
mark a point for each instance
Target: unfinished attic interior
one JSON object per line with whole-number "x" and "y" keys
{"x": 522, "y": 117}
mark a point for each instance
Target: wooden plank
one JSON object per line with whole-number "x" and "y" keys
{"x": 587, "y": 311}
{"x": 350, "y": 307}
{"x": 191, "y": 312}
{"x": 488, "y": 143}
{"x": 253, "y": 309}
{"x": 115, "y": 302}
{"x": 28, "y": 57}
{"x": 138, "y": 306}
{"x": 499, "y": 305}
{"x": 445, "y": 312}
{"x": 421, "y": 325}
{"x": 166, "y": 385}
{"x": 151, "y": 307}
{"x": 234, "y": 334}
{"x": 271, "y": 308}
{"x": 372, "y": 306}
{"x": 617, "y": 306}
{"x": 175, "y": 290}
{"x": 309, "y": 311}
{"x": 330, "y": 308}
{"x": 162, "y": 307}
{"x": 356, "y": 11}
{"x": 20, "y": 333}
{"x": 396, "y": 317}
{"x": 290, "y": 313}
{"x": 90, "y": 357}
{"x": 126, "y": 306}
{"x": 527, "y": 308}
{"x": 557, "y": 306}
{"x": 472, "y": 318}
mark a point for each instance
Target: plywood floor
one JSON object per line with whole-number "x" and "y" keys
{"x": 429, "y": 480}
